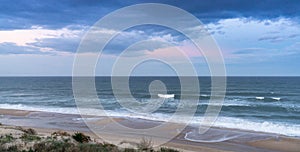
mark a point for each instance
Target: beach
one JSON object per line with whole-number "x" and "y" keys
{"x": 46, "y": 123}
{"x": 149, "y": 76}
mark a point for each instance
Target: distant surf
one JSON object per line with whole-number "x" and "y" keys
{"x": 223, "y": 122}
{"x": 166, "y": 95}
{"x": 276, "y": 98}
{"x": 260, "y": 98}
{"x": 263, "y": 98}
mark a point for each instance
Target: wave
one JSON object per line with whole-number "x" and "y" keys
{"x": 166, "y": 95}
{"x": 268, "y": 98}
{"x": 258, "y": 126}
{"x": 86, "y": 119}
{"x": 260, "y": 98}
{"x": 224, "y": 122}
{"x": 63, "y": 110}
{"x": 276, "y": 98}
{"x": 204, "y": 95}
{"x": 225, "y": 104}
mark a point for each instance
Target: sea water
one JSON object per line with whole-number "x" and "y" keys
{"x": 264, "y": 104}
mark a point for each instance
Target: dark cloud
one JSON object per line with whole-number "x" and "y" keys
{"x": 57, "y": 44}
{"x": 251, "y": 51}
{"x": 13, "y": 48}
{"x": 50, "y": 14}
{"x": 293, "y": 35}
{"x": 278, "y": 38}
{"x": 59, "y": 13}
{"x": 270, "y": 38}
{"x": 118, "y": 44}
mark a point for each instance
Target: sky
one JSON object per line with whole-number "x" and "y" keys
{"x": 256, "y": 38}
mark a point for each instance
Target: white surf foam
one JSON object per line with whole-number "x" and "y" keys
{"x": 260, "y": 98}
{"x": 36, "y": 108}
{"x": 166, "y": 95}
{"x": 266, "y": 126}
{"x": 276, "y": 98}
{"x": 204, "y": 95}
{"x": 224, "y": 122}
{"x": 194, "y": 136}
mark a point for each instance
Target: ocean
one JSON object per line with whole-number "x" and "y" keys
{"x": 264, "y": 104}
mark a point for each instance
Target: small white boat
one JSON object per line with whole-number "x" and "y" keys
{"x": 166, "y": 95}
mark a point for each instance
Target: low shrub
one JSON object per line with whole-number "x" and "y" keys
{"x": 28, "y": 131}
{"x": 6, "y": 139}
{"x": 164, "y": 149}
{"x": 53, "y": 146}
{"x": 60, "y": 133}
{"x": 9, "y": 149}
{"x": 81, "y": 138}
{"x": 145, "y": 145}
{"x": 28, "y": 137}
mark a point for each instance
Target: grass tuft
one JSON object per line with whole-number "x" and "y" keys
{"x": 81, "y": 144}
{"x": 6, "y": 139}
{"x": 29, "y": 138}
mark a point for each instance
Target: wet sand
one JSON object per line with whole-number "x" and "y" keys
{"x": 232, "y": 139}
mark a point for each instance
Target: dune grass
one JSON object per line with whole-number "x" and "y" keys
{"x": 30, "y": 141}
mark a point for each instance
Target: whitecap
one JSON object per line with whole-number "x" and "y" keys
{"x": 204, "y": 95}
{"x": 166, "y": 95}
{"x": 260, "y": 98}
{"x": 276, "y": 98}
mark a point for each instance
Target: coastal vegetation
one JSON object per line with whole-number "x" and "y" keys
{"x": 30, "y": 141}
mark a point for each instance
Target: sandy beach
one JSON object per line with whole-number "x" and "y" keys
{"x": 46, "y": 123}
{"x": 149, "y": 76}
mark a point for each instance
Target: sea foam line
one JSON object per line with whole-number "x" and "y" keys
{"x": 223, "y": 122}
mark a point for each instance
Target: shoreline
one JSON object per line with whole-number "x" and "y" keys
{"x": 263, "y": 130}
{"x": 239, "y": 140}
